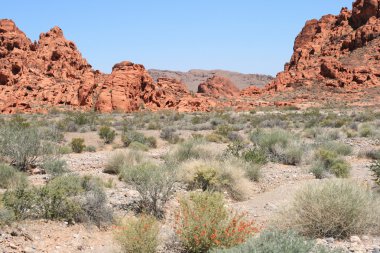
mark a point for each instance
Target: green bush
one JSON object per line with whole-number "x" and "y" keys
{"x": 375, "y": 168}
{"x": 11, "y": 177}
{"x": 68, "y": 198}
{"x": 204, "y": 223}
{"x": 23, "y": 145}
{"x": 228, "y": 176}
{"x": 217, "y": 138}
{"x": 132, "y": 136}
{"x": 155, "y": 183}
{"x": 107, "y": 134}
{"x": 335, "y": 208}
{"x": 138, "y": 235}
{"x": 138, "y": 146}
{"x": 190, "y": 149}
{"x": 329, "y": 162}
{"x": 77, "y": 145}
{"x": 169, "y": 134}
{"x": 373, "y": 154}
{"x": 278, "y": 241}
{"x": 55, "y": 167}
{"x": 119, "y": 159}
{"x": 337, "y": 147}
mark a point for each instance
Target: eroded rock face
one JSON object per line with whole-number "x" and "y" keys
{"x": 219, "y": 86}
{"x": 336, "y": 51}
{"x": 47, "y": 73}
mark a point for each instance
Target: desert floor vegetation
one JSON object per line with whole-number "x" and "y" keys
{"x": 270, "y": 180}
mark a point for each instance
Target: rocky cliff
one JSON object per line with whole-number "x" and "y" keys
{"x": 340, "y": 52}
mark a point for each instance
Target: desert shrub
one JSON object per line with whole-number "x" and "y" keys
{"x": 6, "y": 216}
{"x": 253, "y": 171}
{"x": 11, "y": 177}
{"x": 373, "y": 154}
{"x": 334, "y": 208}
{"x": 22, "y": 145}
{"x": 291, "y": 154}
{"x": 132, "y": 136}
{"x": 366, "y": 130}
{"x": 62, "y": 150}
{"x": 255, "y": 155}
{"x": 138, "y": 235}
{"x": 213, "y": 137}
{"x": 77, "y": 145}
{"x": 278, "y": 241}
{"x": 155, "y": 183}
{"x": 228, "y": 176}
{"x": 70, "y": 198}
{"x": 223, "y": 130}
{"x": 337, "y": 147}
{"x": 138, "y": 146}
{"x": 190, "y": 149}
{"x": 119, "y": 159}
{"x": 329, "y": 162}
{"x": 54, "y": 167}
{"x": 203, "y": 223}
{"x": 334, "y": 120}
{"x": 90, "y": 148}
{"x": 375, "y": 168}
{"x": 169, "y": 134}
{"x": 267, "y": 140}
{"x": 107, "y": 134}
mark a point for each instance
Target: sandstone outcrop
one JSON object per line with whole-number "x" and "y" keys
{"x": 340, "y": 51}
{"x": 47, "y": 73}
{"x": 219, "y": 86}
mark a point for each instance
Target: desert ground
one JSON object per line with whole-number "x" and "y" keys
{"x": 259, "y": 161}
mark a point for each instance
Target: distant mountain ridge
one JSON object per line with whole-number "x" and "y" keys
{"x": 194, "y": 77}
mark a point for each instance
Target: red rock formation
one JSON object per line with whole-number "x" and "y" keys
{"x": 35, "y": 76}
{"x": 165, "y": 94}
{"x": 219, "y": 86}
{"x": 336, "y": 51}
{"x": 250, "y": 91}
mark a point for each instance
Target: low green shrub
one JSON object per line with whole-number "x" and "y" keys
{"x": 132, "y": 136}
{"x": 11, "y": 177}
{"x": 334, "y": 208}
{"x": 328, "y": 162}
{"x": 138, "y": 235}
{"x": 337, "y": 147}
{"x": 278, "y": 241}
{"x": 107, "y": 134}
{"x": 228, "y": 176}
{"x": 373, "y": 154}
{"x": 138, "y": 146}
{"x": 190, "y": 149}
{"x": 170, "y": 135}
{"x": 375, "y": 168}
{"x": 204, "y": 223}
{"x": 119, "y": 159}
{"x": 155, "y": 183}
{"x": 217, "y": 138}
{"x": 77, "y": 145}
{"x": 55, "y": 167}
{"x": 69, "y": 198}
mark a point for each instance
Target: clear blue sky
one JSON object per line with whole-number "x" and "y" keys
{"x": 242, "y": 35}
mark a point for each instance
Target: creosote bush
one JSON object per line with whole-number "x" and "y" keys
{"x": 10, "y": 177}
{"x": 228, "y": 176}
{"x": 273, "y": 241}
{"x": 334, "y": 208}
{"x": 138, "y": 234}
{"x": 329, "y": 162}
{"x": 77, "y": 145}
{"x": 22, "y": 144}
{"x": 155, "y": 183}
{"x": 69, "y": 198}
{"x": 203, "y": 223}
{"x": 107, "y": 134}
{"x": 132, "y": 136}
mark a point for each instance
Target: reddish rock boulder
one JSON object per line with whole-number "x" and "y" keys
{"x": 219, "y": 87}
{"x": 250, "y": 91}
{"x": 165, "y": 94}
{"x": 123, "y": 88}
